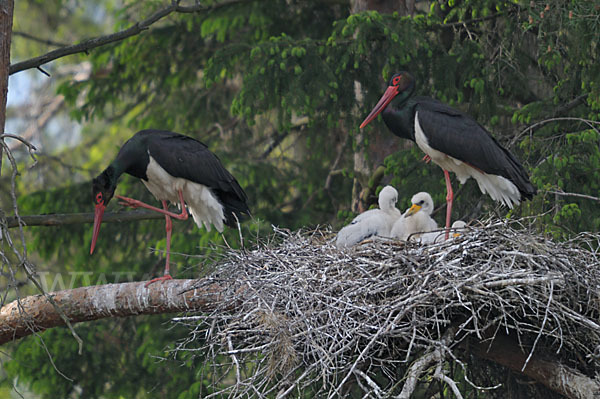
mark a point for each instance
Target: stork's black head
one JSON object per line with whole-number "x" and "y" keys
{"x": 403, "y": 81}
{"x": 400, "y": 83}
{"x": 103, "y": 189}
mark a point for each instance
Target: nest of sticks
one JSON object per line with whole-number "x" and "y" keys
{"x": 391, "y": 319}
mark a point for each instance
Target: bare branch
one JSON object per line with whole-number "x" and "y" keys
{"x": 62, "y": 219}
{"x": 564, "y": 194}
{"x": 24, "y": 141}
{"x": 532, "y": 128}
{"x": 39, "y": 39}
{"x": 26, "y": 265}
{"x": 99, "y": 41}
{"x": 436, "y": 355}
{"x": 89, "y": 44}
{"x": 43, "y": 114}
{"x": 35, "y": 313}
{"x": 376, "y": 388}
{"x": 440, "y": 375}
{"x": 415, "y": 371}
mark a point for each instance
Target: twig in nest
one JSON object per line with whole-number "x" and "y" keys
{"x": 362, "y": 316}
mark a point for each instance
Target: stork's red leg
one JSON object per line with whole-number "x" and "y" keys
{"x": 133, "y": 203}
{"x": 449, "y": 200}
{"x": 426, "y": 158}
{"x": 168, "y": 225}
{"x": 169, "y": 229}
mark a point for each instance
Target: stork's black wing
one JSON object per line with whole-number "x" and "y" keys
{"x": 458, "y": 135}
{"x": 185, "y": 157}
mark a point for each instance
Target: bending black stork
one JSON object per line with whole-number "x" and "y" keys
{"x": 174, "y": 168}
{"x": 454, "y": 141}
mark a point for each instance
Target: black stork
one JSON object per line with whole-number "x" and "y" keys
{"x": 174, "y": 168}
{"x": 454, "y": 141}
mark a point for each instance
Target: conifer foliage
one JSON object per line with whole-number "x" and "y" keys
{"x": 278, "y": 89}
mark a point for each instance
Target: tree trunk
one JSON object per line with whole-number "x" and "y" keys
{"x": 381, "y": 143}
{"x": 552, "y": 374}
{"x": 6, "y": 20}
{"x": 35, "y": 313}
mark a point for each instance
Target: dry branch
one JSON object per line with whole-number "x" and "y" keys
{"x": 35, "y": 313}
{"x": 61, "y": 219}
{"x": 88, "y": 44}
{"x": 424, "y": 362}
{"x": 31, "y": 37}
{"x": 562, "y": 193}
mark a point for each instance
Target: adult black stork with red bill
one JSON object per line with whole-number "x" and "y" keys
{"x": 454, "y": 141}
{"x": 174, "y": 168}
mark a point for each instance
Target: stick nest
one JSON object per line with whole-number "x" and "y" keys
{"x": 304, "y": 316}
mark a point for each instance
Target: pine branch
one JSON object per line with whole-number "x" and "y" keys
{"x": 61, "y": 219}
{"x": 35, "y": 313}
{"x": 88, "y": 44}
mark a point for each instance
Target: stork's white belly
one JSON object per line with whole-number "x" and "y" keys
{"x": 201, "y": 202}
{"x": 499, "y": 188}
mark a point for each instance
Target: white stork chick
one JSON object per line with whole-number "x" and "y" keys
{"x": 416, "y": 221}
{"x": 374, "y": 222}
{"x": 456, "y": 230}
{"x": 457, "y": 227}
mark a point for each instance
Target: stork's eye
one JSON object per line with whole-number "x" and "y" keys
{"x": 421, "y": 202}
{"x": 396, "y": 80}
{"x": 98, "y": 198}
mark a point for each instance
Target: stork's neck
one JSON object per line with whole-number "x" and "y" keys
{"x": 133, "y": 158}
{"x": 399, "y": 115}
{"x": 114, "y": 171}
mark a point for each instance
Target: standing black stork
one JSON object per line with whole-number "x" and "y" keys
{"x": 174, "y": 168}
{"x": 454, "y": 141}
